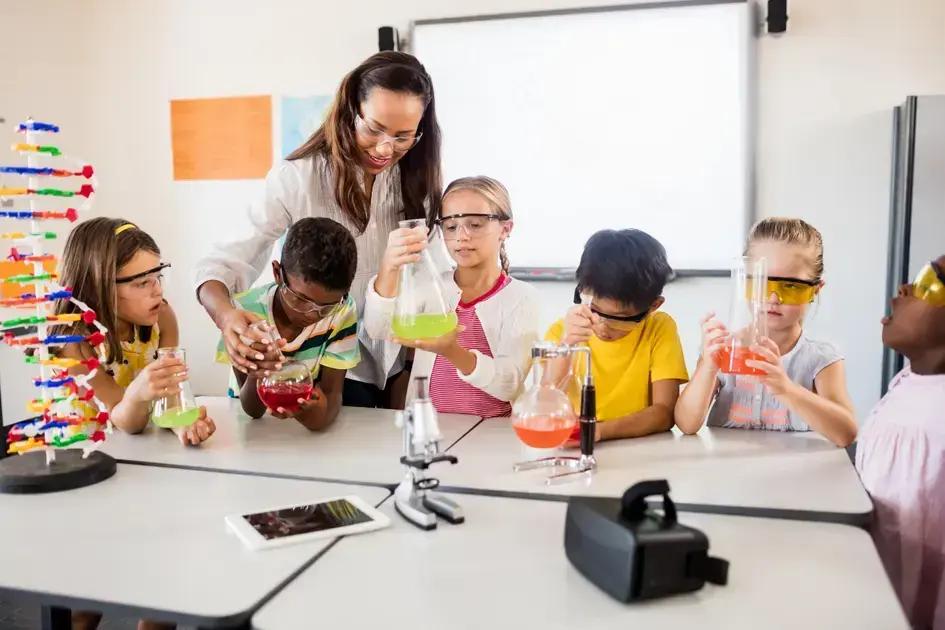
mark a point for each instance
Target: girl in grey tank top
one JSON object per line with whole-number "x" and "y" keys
{"x": 803, "y": 387}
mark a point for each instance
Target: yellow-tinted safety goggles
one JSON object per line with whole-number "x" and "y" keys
{"x": 792, "y": 291}
{"x": 929, "y": 285}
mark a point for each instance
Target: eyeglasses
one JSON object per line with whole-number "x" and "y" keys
{"x": 304, "y": 306}
{"x": 790, "y": 291}
{"x": 617, "y": 322}
{"x": 929, "y": 285}
{"x": 146, "y": 280}
{"x": 474, "y": 224}
{"x": 399, "y": 143}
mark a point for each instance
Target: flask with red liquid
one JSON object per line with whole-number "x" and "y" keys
{"x": 283, "y": 388}
{"x": 748, "y": 319}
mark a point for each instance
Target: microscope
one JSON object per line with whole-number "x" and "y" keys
{"x": 414, "y": 498}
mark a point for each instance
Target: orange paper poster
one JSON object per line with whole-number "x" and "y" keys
{"x": 12, "y": 268}
{"x": 222, "y": 138}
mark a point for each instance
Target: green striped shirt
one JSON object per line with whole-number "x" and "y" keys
{"x": 332, "y": 342}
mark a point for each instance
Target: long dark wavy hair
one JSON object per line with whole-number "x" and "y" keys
{"x": 420, "y": 177}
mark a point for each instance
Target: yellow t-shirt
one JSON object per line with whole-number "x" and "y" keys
{"x": 624, "y": 369}
{"x": 137, "y": 355}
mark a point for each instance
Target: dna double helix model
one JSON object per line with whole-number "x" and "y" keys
{"x": 67, "y": 413}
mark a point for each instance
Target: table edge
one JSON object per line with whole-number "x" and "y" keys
{"x": 856, "y": 519}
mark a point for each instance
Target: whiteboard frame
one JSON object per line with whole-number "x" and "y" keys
{"x": 751, "y": 106}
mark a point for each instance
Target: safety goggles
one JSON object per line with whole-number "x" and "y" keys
{"x": 616, "y": 322}
{"x": 929, "y": 285}
{"x": 303, "y": 305}
{"x": 146, "y": 280}
{"x": 790, "y": 291}
{"x": 473, "y": 223}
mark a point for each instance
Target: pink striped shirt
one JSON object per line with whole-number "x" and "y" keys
{"x": 450, "y": 393}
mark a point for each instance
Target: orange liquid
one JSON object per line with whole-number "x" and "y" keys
{"x": 734, "y": 362}
{"x": 548, "y": 432}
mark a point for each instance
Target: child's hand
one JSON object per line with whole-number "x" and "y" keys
{"x": 202, "y": 428}
{"x": 578, "y": 324}
{"x": 158, "y": 379}
{"x": 317, "y": 400}
{"x": 403, "y": 246}
{"x": 714, "y": 338}
{"x": 775, "y": 378}
{"x": 444, "y": 345}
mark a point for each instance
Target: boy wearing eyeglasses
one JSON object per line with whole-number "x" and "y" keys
{"x": 636, "y": 357}
{"x": 309, "y": 309}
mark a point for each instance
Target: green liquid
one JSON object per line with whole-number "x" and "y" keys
{"x": 424, "y": 326}
{"x": 176, "y": 418}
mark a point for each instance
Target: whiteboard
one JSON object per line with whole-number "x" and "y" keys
{"x": 608, "y": 118}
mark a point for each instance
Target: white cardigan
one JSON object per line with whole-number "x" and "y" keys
{"x": 509, "y": 319}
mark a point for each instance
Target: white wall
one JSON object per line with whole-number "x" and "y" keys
{"x": 826, "y": 91}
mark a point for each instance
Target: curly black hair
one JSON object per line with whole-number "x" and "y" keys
{"x": 321, "y": 250}
{"x": 629, "y": 266}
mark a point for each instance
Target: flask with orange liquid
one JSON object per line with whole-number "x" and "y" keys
{"x": 543, "y": 416}
{"x": 748, "y": 320}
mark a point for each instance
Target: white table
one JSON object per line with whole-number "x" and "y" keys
{"x": 506, "y": 568}
{"x": 152, "y": 542}
{"x": 761, "y": 473}
{"x": 361, "y": 446}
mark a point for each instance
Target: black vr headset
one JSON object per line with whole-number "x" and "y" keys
{"x": 633, "y": 553}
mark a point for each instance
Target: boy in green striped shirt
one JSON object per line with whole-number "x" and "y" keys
{"x": 308, "y": 304}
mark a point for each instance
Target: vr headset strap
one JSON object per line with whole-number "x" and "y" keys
{"x": 708, "y": 568}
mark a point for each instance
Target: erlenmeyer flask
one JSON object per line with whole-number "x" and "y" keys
{"x": 421, "y": 310}
{"x": 543, "y": 416}
{"x": 747, "y": 321}
{"x": 179, "y": 408}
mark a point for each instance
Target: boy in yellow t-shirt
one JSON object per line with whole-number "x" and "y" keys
{"x": 636, "y": 356}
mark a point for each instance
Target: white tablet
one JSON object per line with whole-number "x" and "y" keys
{"x": 328, "y": 518}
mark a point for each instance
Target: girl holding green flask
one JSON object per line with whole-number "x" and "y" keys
{"x": 475, "y": 343}
{"x": 116, "y": 269}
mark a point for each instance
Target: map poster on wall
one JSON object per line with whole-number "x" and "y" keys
{"x": 301, "y": 116}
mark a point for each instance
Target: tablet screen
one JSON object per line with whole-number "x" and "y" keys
{"x": 303, "y": 519}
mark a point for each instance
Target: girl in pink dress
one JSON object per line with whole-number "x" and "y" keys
{"x": 901, "y": 451}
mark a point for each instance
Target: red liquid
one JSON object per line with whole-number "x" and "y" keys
{"x": 734, "y": 362}
{"x": 285, "y": 395}
{"x": 549, "y": 432}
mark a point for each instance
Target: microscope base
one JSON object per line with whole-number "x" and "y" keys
{"x": 579, "y": 468}
{"x": 422, "y": 507}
